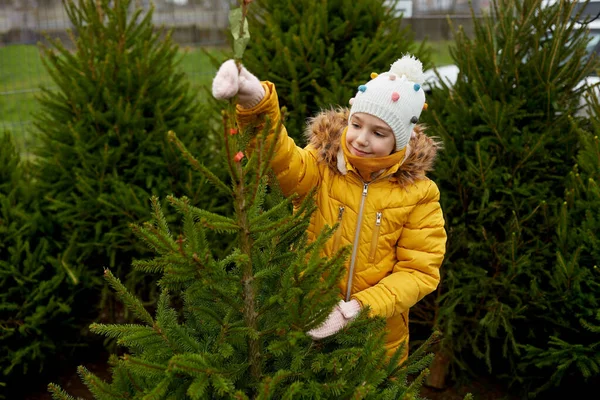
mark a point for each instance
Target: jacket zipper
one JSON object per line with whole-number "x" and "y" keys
{"x": 375, "y": 237}
{"x": 338, "y": 233}
{"x": 356, "y": 237}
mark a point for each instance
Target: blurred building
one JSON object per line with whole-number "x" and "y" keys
{"x": 436, "y": 7}
{"x": 204, "y": 22}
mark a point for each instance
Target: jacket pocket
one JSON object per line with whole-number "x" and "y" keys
{"x": 375, "y": 238}
{"x": 337, "y": 236}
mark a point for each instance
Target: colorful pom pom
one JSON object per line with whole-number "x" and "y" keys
{"x": 374, "y": 75}
{"x": 425, "y": 107}
{"x": 351, "y": 101}
{"x": 414, "y": 120}
{"x": 362, "y": 88}
{"x": 392, "y": 77}
{"x": 417, "y": 87}
{"x": 238, "y": 157}
{"x": 395, "y": 96}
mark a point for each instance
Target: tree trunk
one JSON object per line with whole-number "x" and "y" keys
{"x": 438, "y": 371}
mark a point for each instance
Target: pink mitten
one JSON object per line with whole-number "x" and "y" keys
{"x": 230, "y": 81}
{"x": 251, "y": 90}
{"x": 350, "y": 309}
{"x": 341, "y": 315}
{"x": 226, "y": 82}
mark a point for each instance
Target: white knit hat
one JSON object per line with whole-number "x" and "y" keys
{"x": 396, "y": 97}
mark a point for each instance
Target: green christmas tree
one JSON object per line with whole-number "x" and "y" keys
{"x": 239, "y": 329}
{"x": 572, "y": 352}
{"x": 235, "y": 327}
{"x": 318, "y": 52}
{"x": 509, "y": 143}
{"x": 103, "y": 150}
{"x": 38, "y": 294}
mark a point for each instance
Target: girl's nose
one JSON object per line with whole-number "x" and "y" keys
{"x": 361, "y": 139}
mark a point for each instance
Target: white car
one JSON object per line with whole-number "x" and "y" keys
{"x": 449, "y": 73}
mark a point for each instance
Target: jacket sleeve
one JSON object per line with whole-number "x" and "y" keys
{"x": 296, "y": 168}
{"x": 420, "y": 251}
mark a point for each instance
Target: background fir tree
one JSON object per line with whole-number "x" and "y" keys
{"x": 38, "y": 293}
{"x": 570, "y": 355}
{"x": 240, "y": 329}
{"x": 319, "y": 52}
{"x": 508, "y": 146}
{"x": 102, "y": 148}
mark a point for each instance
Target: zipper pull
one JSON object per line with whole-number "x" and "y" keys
{"x": 341, "y": 211}
{"x": 365, "y": 188}
{"x": 378, "y": 219}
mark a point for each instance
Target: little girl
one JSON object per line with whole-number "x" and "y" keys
{"x": 368, "y": 164}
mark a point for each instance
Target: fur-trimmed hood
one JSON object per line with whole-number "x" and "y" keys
{"x": 324, "y": 131}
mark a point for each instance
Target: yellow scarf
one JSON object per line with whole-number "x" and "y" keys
{"x": 366, "y": 166}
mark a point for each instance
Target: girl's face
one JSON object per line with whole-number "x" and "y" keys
{"x": 369, "y": 136}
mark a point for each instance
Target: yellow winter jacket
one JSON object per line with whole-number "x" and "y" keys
{"x": 394, "y": 223}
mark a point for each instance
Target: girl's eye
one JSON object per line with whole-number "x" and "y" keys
{"x": 379, "y": 134}
{"x": 354, "y": 124}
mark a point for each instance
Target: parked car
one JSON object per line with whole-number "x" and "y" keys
{"x": 449, "y": 73}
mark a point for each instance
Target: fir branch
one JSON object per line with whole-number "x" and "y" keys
{"x": 160, "y": 244}
{"x": 268, "y": 272}
{"x": 415, "y": 386}
{"x": 144, "y": 367}
{"x": 166, "y": 319}
{"x": 239, "y": 395}
{"x": 222, "y": 384}
{"x": 209, "y": 312}
{"x": 100, "y": 389}
{"x": 257, "y": 203}
{"x": 123, "y": 374}
{"x": 197, "y": 388}
{"x": 195, "y": 239}
{"x": 335, "y": 388}
{"x": 256, "y": 222}
{"x": 159, "y": 216}
{"x": 195, "y": 365}
{"x": 207, "y": 173}
{"x": 59, "y": 394}
{"x": 281, "y": 229}
{"x": 130, "y": 301}
{"x": 418, "y": 354}
{"x": 120, "y": 330}
{"x": 293, "y": 390}
{"x": 268, "y": 386}
{"x": 273, "y": 140}
{"x": 589, "y": 326}
{"x": 208, "y": 219}
{"x": 186, "y": 339}
{"x": 146, "y": 342}
{"x": 229, "y": 295}
{"x": 152, "y": 266}
{"x": 177, "y": 278}
{"x": 160, "y": 391}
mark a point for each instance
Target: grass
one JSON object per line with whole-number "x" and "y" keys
{"x": 22, "y": 73}
{"x": 441, "y": 52}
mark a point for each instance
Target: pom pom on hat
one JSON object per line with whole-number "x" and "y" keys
{"x": 396, "y": 97}
{"x": 410, "y": 67}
